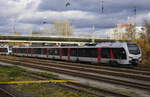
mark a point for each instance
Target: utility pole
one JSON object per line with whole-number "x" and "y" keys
{"x": 14, "y": 24}
{"x": 14, "y": 29}
{"x": 68, "y": 3}
{"x": 135, "y": 12}
{"x": 102, "y": 6}
{"x": 93, "y": 30}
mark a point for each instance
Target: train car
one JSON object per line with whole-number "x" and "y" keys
{"x": 4, "y": 51}
{"x": 114, "y": 53}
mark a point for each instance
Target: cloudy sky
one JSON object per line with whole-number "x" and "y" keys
{"x": 27, "y": 15}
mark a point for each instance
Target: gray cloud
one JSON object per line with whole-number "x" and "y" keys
{"x": 115, "y": 11}
{"x": 82, "y": 14}
{"x": 110, "y": 6}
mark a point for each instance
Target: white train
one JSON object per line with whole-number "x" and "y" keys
{"x": 113, "y": 53}
{"x": 5, "y": 51}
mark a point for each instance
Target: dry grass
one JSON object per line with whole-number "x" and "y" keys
{"x": 36, "y": 90}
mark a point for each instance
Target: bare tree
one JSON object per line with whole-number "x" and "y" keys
{"x": 131, "y": 32}
{"x": 147, "y": 31}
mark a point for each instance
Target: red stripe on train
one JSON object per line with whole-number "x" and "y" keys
{"x": 60, "y": 53}
{"x": 69, "y": 49}
{"x": 111, "y": 54}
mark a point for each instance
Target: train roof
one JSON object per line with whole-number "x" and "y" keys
{"x": 104, "y": 44}
{"x": 112, "y": 44}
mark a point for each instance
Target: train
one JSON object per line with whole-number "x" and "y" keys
{"x": 5, "y": 51}
{"x": 113, "y": 53}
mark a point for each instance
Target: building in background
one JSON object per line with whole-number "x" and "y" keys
{"x": 36, "y": 33}
{"x": 125, "y": 32}
{"x": 58, "y": 28}
{"x": 62, "y": 28}
{"x": 17, "y": 33}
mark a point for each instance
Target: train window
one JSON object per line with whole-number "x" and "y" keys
{"x": 18, "y": 50}
{"x": 36, "y": 50}
{"x": 32, "y": 50}
{"x": 65, "y": 51}
{"x": 74, "y": 52}
{"x": 81, "y": 52}
{"x": 13, "y": 50}
{"x": 25, "y": 50}
{"x": 105, "y": 52}
{"x": 51, "y": 51}
{"x": 21, "y": 50}
{"x": 29, "y": 50}
{"x": 3, "y": 49}
{"x": 133, "y": 48}
{"x": 39, "y": 51}
{"x": 56, "y": 51}
{"x": 93, "y": 52}
{"x": 119, "y": 53}
{"x": 88, "y": 52}
{"x": 44, "y": 51}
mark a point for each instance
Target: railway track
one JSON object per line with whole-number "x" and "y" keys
{"x": 136, "y": 70}
{"x": 74, "y": 86}
{"x": 82, "y": 87}
{"x": 94, "y": 70}
{"x": 5, "y": 93}
{"x": 82, "y": 75}
{"x": 142, "y": 68}
{"x": 73, "y": 66}
{"x": 95, "y": 66}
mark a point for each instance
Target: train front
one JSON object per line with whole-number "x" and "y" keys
{"x": 135, "y": 54}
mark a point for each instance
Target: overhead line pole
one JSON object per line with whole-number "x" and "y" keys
{"x": 135, "y": 12}
{"x": 102, "y": 6}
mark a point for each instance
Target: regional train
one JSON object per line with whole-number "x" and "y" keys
{"x": 5, "y": 51}
{"x": 113, "y": 53}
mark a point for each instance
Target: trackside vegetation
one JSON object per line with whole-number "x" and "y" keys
{"x": 145, "y": 47}
{"x": 13, "y": 73}
{"x": 144, "y": 42}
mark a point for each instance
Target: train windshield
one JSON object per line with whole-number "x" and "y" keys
{"x": 133, "y": 49}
